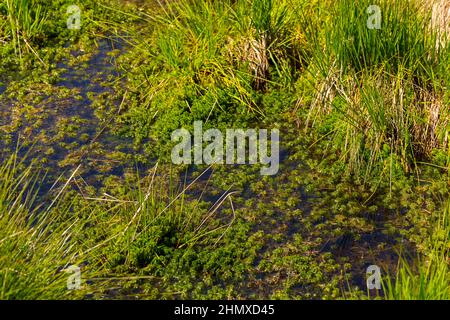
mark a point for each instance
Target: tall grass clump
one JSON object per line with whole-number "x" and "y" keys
{"x": 404, "y": 38}
{"x": 24, "y": 23}
{"x": 380, "y": 94}
{"x": 430, "y": 278}
{"x": 36, "y": 242}
{"x": 267, "y": 37}
{"x": 210, "y": 61}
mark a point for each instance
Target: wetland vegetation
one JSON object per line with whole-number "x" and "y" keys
{"x": 86, "y": 178}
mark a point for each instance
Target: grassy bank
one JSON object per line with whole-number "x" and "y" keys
{"x": 428, "y": 279}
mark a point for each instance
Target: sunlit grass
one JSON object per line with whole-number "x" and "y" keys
{"x": 25, "y": 22}
{"x": 378, "y": 97}
{"x": 35, "y": 241}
